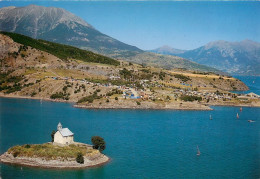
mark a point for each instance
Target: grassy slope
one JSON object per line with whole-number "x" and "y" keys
{"x": 49, "y": 151}
{"x": 63, "y": 52}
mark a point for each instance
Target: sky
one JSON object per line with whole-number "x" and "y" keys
{"x": 149, "y": 25}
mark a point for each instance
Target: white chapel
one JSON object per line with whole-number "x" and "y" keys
{"x": 63, "y": 135}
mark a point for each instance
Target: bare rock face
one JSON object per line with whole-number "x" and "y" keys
{"x": 7, "y": 45}
{"x": 58, "y": 25}
{"x": 40, "y": 19}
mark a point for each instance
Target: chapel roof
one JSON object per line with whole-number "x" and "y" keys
{"x": 65, "y": 132}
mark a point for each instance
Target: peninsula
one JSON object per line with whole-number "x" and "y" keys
{"x": 62, "y": 153}
{"x": 39, "y": 69}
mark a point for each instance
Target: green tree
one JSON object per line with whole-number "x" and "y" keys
{"x": 80, "y": 158}
{"x": 98, "y": 143}
{"x": 52, "y": 135}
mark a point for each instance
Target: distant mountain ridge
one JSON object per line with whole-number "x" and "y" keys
{"x": 167, "y": 50}
{"x": 241, "y": 58}
{"x": 60, "y": 26}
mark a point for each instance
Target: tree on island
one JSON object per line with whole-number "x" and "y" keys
{"x": 52, "y": 135}
{"x": 80, "y": 158}
{"x": 98, "y": 143}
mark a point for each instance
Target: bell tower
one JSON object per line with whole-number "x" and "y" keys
{"x": 59, "y": 127}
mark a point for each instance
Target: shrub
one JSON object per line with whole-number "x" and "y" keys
{"x": 125, "y": 73}
{"x": 14, "y": 79}
{"x": 98, "y": 143}
{"x": 65, "y": 88}
{"x": 182, "y": 77}
{"x": 114, "y": 91}
{"x": 57, "y": 95}
{"x": 162, "y": 75}
{"x": 80, "y": 158}
{"x": 190, "y": 98}
{"x": 146, "y": 70}
{"x": 33, "y": 94}
{"x": 138, "y": 103}
{"x": 15, "y": 87}
{"x": 15, "y": 154}
{"x": 27, "y": 146}
{"x": 88, "y": 99}
{"x": 60, "y": 95}
{"x": 52, "y": 135}
{"x": 116, "y": 98}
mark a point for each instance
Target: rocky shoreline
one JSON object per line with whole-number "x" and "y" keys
{"x": 253, "y": 104}
{"x": 145, "y": 104}
{"x": 148, "y": 106}
{"x": 123, "y": 105}
{"x": 70, "y": 163}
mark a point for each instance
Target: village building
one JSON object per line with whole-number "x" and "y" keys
{"x": 114, "y": 77}
{"x": 63, "y": 135}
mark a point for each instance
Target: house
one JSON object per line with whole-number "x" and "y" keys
{"x": 63, "y": 135}
{"x": 253, "y": 95}
{"x": 114, "y": 77}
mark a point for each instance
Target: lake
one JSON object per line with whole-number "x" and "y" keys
{"x": 141, "y": 143}
{"x": 253, "y": 82}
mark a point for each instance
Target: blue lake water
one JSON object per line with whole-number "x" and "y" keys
{"x": 141, "y": 143}
{"x": 253, "y": 82}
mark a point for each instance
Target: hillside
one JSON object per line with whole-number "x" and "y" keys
{"x": 240, "y": 58}
{"x": 170, "y": 62}
{"x": 60, "y": 26}
{"x": 33, "y": 73}
{"x": 63, "y": 52}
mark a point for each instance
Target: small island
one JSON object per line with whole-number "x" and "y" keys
{"x": 61, "y": 153}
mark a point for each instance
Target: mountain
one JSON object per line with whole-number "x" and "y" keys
{"x": 167, "y": 50}
{"x": 241, "y": 58}
{"x": 60, "y": 26}
{"x": 169, "y": 62}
